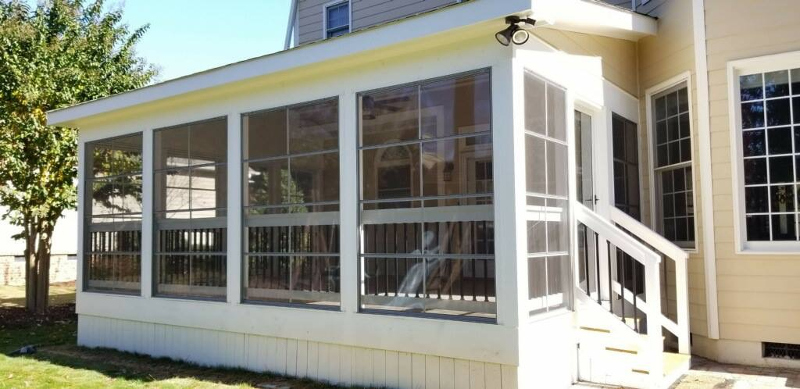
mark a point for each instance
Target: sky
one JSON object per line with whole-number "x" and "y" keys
{"x": 189, "y": 36}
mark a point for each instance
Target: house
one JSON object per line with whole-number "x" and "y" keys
{"x": 400, "y": 200}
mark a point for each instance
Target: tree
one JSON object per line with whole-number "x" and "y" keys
{"x": 59, "y": 53}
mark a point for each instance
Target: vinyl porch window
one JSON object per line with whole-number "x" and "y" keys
{"x": 291, "y": 204}
{"x": 337, "y": 19}
{"x": 190, "y": 183}
{"x": 113, "y": 215}
{"x": 426, "y": 172}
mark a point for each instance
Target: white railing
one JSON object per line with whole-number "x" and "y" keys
{"x": 640, "y": 244}
{"x": 680, "y": 327}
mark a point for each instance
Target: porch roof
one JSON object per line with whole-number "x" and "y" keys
{"x": 441, "y": 26}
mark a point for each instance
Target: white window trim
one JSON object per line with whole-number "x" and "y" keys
{"x": 683, "y": 78}
{"x": 325, "y": 16}
{"x": 768, "y": 63}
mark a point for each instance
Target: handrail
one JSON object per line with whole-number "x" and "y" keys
{"x": 619, "y": 238}
{"x": 644, "y": 233}
{"x": 681, "y": 258}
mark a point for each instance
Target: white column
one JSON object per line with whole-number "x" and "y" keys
{"x": 147, "y": 214}
{"x": 348, "y": 197}
{"x": 81, "y": 215}
{"x": 234, "y": 208}
{"x": 508, "y": 127}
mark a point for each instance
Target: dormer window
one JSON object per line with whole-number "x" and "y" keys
{"x": 337, "y": 18}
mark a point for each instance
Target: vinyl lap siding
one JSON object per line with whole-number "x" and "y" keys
{"x": 759, "y": 295}
{"x": 364, "y": 13}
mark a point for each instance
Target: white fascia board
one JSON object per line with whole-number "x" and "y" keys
{"x": 591, "y": 17}
{"x": 446, "y": 20}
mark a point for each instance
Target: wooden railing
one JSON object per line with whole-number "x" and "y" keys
{"x": 614, "y": 290}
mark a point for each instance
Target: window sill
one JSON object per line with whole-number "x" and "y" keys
{"x": 768, "y": 248}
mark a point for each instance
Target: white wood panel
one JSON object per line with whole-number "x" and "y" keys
{"x": 339, "y": 364}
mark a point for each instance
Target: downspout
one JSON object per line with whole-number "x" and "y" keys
{"x": 706, "y": 182}
{"x": 290, "y": 25}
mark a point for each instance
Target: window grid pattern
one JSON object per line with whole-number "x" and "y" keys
{"x": 426, "y": 264}
{"x": 337, "y": 19}
{"x": 190, "y": 185}
{"x": 291, "y": 204}
{"x": 113, "y": 212}
{"x": 547, "y": 186}
{"x": 673, "y": 171}
{"x": 770, "y": 119}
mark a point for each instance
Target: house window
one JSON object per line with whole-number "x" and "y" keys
{"x": 190, "y": 181}
{"x": 426, "y": 198}
{"x": 337, "y": 19}
{"x": 673, "y": 166}
{"x": 547, "y": 187}
{"x": 769, "y": 107}
{"x": 113, "y": 215}
{"x": 291, "y": 204}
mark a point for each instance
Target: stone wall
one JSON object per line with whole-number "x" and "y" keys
{"x": 63, "y": 268}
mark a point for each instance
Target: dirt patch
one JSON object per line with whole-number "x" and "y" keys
{"x": 19, "y": 317}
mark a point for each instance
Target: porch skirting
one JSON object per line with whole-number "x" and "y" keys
{"x": 333, "y": 363}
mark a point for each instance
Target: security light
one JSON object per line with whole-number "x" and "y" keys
{"x": 515, "y": 33}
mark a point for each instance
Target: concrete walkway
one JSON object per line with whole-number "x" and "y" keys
{"x": 707, "y": 374}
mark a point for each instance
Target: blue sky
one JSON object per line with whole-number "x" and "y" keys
{"x": 188, "y": 36}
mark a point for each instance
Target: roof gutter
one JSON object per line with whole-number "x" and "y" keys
{"x": 290, "y": 25}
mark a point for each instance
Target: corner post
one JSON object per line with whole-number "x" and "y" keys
{"x": 234, "y": 213}
{"x": 146, "y": 284}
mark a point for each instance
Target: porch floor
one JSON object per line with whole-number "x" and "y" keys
{"x": 706, "y": 374}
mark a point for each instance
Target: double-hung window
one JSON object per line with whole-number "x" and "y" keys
{"x": 190, "y": 183}
{"x": 672, "y": 154}
{"x": 291, "y": 204}
{"x": 113, "y": 215}
{"x": 337, "y": 19}
{"x": 427, "y": 243}
{"x": 769, "y": 131}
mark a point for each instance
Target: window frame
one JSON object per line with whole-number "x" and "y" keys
{"x": 469, "y": 212}
{"x": 331, "y": 4}
{"x": 85, "y": 215}
{"x": 656, "y": 220}
{"x": 287, "y": 219}
{"x": 763, "y": 64}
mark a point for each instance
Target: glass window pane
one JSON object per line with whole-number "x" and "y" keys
{"x": 755, "y": 171}
{"x": 390, "y": 116}
{"x": 756, "y": 199}
{"x": 391, "y": 172}
{"x": 537, "y": 233}
{"x": 557, "y": 226}
{"x": 171, "y": 147}
{"x": 685, "y": 126}
{"x": 672, "y": 104}
{"x": 558, "y": 281}
{"x": 556, "y": 113}
{"x": 535, "y": 157}
{"x": 778, "y": 112}
{"x": 557, "y": 178}
{"x": 754, "y": 142}
{"x": 314, "y": 127}
{"x": 776, "y": 84}
{"x": 456, "y": 106}
{"x": 683, "y": 100}
{"x": 783, "y": 227}
{"x": 268, "y": 182}
{"x": 208, "y": 142}
{"x": 781, "y": 170}
{"x": 173, "y": 190}
{"x": 757, "y": 227}
{"x": 661, "y": 108}
{"x": 782, "y": 198}
{"x": 753, "y": 115}
{"x": 780, "y": 140}
{"x": 451, "y": 167}
{"x": 457, "y": 238}
{"x": 209, "y": 187}
{"x": 315, "y": 178}
{"x": 673, "y": 129}
{"x": 535, "y": 104}
{"x": 265, "y": 134}
{"x": 795, "y": 75}
{"x": 751, "y": 87}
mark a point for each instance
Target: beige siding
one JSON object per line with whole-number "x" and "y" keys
{"x": 364, "y": 13}
{"x": 619, "y": 56}
{"x": 758, "y": 294}
{"x": 661, "y": 58}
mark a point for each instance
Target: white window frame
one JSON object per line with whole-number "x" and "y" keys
{"x": 764, "y": 64}
{"x": 650, "y": 93}
{"x": 325, "y": 16}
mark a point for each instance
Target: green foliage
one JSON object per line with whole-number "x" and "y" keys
{"x": 61, "y": 53}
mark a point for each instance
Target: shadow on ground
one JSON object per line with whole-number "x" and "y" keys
{"x": 708, "y": 374}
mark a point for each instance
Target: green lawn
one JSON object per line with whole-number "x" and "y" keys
{"x": 60, "y": 363}
{"x": 60, "y": 293}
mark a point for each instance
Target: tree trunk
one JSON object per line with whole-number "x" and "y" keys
{"x": 43, "y": 278}
{"x": 31, "y": 273}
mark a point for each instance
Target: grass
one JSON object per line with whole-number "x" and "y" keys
{"x": 14, "y": 296}
{"x": 60, "y": 363}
